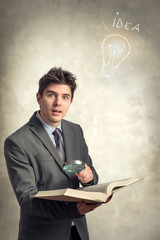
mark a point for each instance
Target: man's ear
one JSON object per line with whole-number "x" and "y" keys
{"x": 38, "y": 96}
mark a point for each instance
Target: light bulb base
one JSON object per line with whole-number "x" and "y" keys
{"x": 107, "y": 71}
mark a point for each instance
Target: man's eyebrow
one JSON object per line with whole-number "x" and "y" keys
{"x": 50, "y": 91}
{"x": 64, "y": 94}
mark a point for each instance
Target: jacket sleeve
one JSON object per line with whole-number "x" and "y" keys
{"x": 87, "y": 159}
{"x": 22, "y": 177}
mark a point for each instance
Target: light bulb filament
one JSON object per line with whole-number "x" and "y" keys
{"x": 115, "y": 48}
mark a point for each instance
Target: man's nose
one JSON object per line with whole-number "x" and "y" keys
{"x": 58, "y": 101}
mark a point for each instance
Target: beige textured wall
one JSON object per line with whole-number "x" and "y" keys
{"x": 120, "y": 115}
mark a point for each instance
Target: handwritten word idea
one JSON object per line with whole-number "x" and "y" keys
{"x": 118, "y": 23}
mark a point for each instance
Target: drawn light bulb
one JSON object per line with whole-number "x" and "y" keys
{"x": 115, "y": 48}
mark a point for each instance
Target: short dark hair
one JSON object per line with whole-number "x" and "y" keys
{"x": 57, "y": 76}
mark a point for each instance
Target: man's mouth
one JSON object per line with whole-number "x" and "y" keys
{"x": 56, "y": 110}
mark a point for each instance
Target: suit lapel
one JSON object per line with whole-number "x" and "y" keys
{"x": 67, "y": 135}
{"x": 37, "y": 128}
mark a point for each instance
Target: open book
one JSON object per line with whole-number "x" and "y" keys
{"x": 90, "y": 194}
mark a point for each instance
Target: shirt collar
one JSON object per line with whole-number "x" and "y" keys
{"x": 49, "y": 128}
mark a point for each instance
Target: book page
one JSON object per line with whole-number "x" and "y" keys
{"x": 86, "y": 196}
{"x": 102, "y": 187}
{"x": 50, "y": 193}
{"x": 110, "y": 187}
{"x": 72, "y": 195}
{"x": 117, "y": 185}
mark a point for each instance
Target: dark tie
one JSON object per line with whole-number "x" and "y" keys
{"x": 59, "y": 143}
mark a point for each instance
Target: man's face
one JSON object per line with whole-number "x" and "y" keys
{"x": 54, "y": 103}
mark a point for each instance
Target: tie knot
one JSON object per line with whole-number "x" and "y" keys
{"x": 57, "y": 131}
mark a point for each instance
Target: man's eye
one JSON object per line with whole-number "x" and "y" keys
{"x": 51, "y": 95}
{"x": 66, "y": 97}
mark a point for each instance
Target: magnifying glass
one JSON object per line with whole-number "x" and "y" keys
{"x": 74, "y": 166}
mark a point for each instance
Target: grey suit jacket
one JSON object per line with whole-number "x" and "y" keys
{"x": 33, "y": 165}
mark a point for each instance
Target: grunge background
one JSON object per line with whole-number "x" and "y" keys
{"x": 120, "y": 115}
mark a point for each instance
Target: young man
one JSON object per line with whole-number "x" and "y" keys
{"x": 34, "y": 164}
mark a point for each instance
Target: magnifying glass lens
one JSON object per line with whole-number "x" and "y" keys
{"x": 74, "y": 166}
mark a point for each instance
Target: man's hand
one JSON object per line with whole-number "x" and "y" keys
{"x": 84, "y": 208}
{"x": 86, "y": 175}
